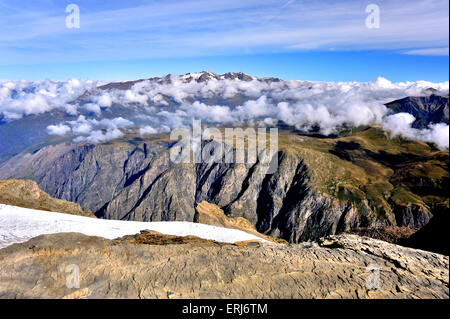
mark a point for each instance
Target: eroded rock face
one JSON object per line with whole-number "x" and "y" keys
{"x": 426, "y": 109}
{"x": 151, "y": 266}
{"x": 137, "y": 180}
{"x": 141, "y": 183}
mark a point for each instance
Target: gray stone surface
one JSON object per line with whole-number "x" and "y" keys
{"x": 341, "y": 266}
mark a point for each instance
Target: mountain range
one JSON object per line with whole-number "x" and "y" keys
{"x": 328, "y": 181}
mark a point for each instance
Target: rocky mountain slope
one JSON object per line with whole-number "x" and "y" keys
{"x": 26, "y": 193}
{"x": 151, "y": 265}
{"x": 322, "y": 185}
{"x": 426, "y": 109}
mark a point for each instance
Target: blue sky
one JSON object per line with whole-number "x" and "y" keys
{"x": 292, "y": 39}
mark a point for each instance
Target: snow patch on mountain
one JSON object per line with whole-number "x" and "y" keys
{"x": 19, "y": 224}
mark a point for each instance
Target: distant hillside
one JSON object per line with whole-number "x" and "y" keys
{"x": 426, "y": 109}
{"x": 26, "y": 193}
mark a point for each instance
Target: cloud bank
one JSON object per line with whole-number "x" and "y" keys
{"x": 159, "y": 106}
{"x": 21, "y": 98}
{"x": 401, "y": 124}
{"x": 91, "y": 130}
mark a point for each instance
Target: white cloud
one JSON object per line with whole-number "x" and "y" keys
{"x": 91, "y": 130}
{"x": 257, "y": 108}
{"x": 401, "y": 124}
{"x": 59, "y": 129}
{"x": 21, "y": 98}
{"x": 302, "y": 104}
{"x": 210, "y": 113}
{"x": 98, "y": 136}
{"x": 105, "y": 100}
{"x": 92, "y": 107}
{"x": 429, "y": 51}
{"x": 147, "y": 130}
{"x": 133, "y": 96}
{"x": 82, "y": 128}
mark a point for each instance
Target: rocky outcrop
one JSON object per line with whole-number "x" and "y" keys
{"x": 27, "y": 194}
{"x": 390, "y": 234}
{"x": 426, "y": 109}
{"x": 150, "y": 237}
{"x": 413, "y": 216}
{"x": 151, "y": 265}
{"x": 210, "y": 214}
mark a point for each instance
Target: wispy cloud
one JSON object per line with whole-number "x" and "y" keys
{"x": 429, "y": 51}
{"x": 36, "y": 33}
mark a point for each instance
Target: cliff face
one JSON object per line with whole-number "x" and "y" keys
{"x": 313, "y": 192}
{"x": 151, "y": 265}
{"x": 125, "y": 182}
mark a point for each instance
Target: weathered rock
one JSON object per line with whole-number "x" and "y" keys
{"x": 412, "y": 216}
{"x": 27, "y": 194}
{"x": 390, "y": 234}
{"x": 346, "y": 266}
{"x": 210, "y": 214}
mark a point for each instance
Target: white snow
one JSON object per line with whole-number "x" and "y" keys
{"x": 19, "y": 224}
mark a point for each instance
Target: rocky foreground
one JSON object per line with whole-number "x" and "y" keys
{"x": 152, "y": 265}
